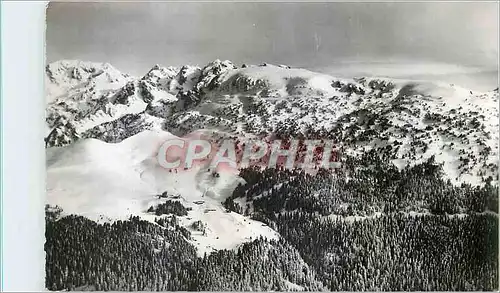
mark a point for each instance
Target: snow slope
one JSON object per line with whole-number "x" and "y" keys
{"x": 106, "y": 182}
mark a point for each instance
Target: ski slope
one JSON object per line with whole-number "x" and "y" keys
{"x": 107, "y": 182}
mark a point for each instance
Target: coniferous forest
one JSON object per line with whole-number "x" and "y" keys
{"x": 368, "y": 226}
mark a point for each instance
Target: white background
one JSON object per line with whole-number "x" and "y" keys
{"x": 23, "y": 153}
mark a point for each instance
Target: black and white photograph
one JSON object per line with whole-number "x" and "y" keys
{"x": 271, "y": 146}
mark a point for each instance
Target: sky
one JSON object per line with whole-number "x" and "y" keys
{"x": 321, "y": 36}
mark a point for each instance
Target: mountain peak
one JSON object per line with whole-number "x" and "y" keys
{"x": 63, "y": 75}
{"x": 158, "y": 71}
{"x": 85, "y": 65}
{"x": 66, "y": 70}
{"x": 218, "y": 62}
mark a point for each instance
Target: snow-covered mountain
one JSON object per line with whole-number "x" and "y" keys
{"x": 66, "y": 75}
{"x": 407, "y": 121}
{"x": 104, "y": 130}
